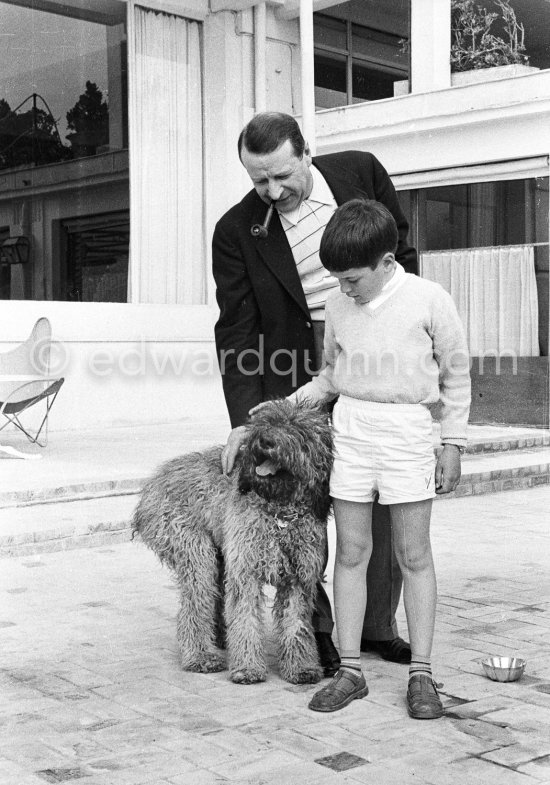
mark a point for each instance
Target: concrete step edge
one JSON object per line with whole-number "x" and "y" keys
{"x": 122, "y": 487}
{"x": 100, "y": 536}
{"x": 506, "y": 444}
{"x": 72, "y": 492}
{"x": 112, "y": 528}
{"x": 106, "y": 523}
{"x": 497, "y": 481}
{"x": 470, "y": 474}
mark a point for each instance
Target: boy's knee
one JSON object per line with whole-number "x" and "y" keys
{"x": 415, "y": 561}
{"x": 350, "y": 556}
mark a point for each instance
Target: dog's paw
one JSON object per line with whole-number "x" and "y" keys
{"x": 247, "y": 675}
{"x": 208, "y": 662}
{"x": 305, "y": 676}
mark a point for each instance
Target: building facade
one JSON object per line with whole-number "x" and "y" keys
{"x": 118, "y": 154}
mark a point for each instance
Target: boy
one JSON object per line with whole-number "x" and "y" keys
{"x": 394, "y": 344}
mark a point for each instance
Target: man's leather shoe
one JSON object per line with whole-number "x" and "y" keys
{"x": 394, "y": 650}
{"x": 329, "y": 657}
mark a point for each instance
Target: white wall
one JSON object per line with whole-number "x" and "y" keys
{"x": 124, "y": 363}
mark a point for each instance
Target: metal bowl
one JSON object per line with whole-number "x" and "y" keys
{"x": 504, "y": 668}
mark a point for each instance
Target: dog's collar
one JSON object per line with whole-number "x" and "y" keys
{"x": 282, "y": 519}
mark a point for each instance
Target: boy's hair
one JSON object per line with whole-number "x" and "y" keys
{"x": 359, "y": 233}
{"x": 267, "y": 131}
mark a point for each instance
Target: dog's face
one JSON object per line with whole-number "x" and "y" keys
{"x": 287, "y": 456}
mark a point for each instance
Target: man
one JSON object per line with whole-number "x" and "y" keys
{"x": 271, "y": 290}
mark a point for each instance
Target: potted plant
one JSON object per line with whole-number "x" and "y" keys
{"x": 486, "y": 39}
{"x": 473, "y": 42}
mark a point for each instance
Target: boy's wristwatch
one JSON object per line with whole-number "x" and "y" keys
{"x": 459, "y": 447}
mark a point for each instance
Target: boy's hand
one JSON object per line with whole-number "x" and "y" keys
{"x": 447, "y": 470}
{"x": 234, "y": 441}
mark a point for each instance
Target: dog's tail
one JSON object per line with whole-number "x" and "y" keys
{"x": 144, "y": 512}
{"x": 150, "y": 500}
{"x": 136, "y": 522}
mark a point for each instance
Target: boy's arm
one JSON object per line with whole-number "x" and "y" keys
{"x": 452, "y": 356}
{"x": 453, "y": 359}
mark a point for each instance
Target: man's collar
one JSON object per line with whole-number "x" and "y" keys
{"x": 320, "y": 191}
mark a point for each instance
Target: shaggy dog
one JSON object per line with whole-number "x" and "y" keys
{"x": 227, "y": 536}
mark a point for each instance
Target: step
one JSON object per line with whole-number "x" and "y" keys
{"x": 493, "y": 439}
{"x": 43, "y": 526}
{"x": 58, "y": 526}
{"x": 102, "y": 462}
{"x": 484, "y": 441}
{"x": 503, "y": 442}
{"x": 491, "y": 472}
{"x": 70, "y": 492}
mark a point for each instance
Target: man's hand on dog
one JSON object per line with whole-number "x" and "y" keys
{"x": 258, "y": 407}
{"x": 234, "y": 442}
{"x": 447, "y": 470}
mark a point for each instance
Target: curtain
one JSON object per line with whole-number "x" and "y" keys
{"x": 495, "y": 291}
{"x": 481, "y": 214}
{"x": 167, "y": 252}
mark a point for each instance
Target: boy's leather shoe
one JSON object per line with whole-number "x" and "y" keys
{"x": 329, "y": 657}
{"x": 394, "y": 650}
{"x": 423, "y": 701}
{"x": 343, "y": 689}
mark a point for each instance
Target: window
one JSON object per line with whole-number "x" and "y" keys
{"x": 500, "y": 214}
{"x": 63, "y": 85}
{"x": 535, "y": 17}
{"x": 356, "y": 62}
{"x": 505, "y": 212}
{"x": 486, "y": 243}
{"x": 95, "y": 265}
{"x": 63, "y": 147}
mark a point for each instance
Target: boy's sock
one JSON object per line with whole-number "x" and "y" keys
{"x": 351, "y": 663}
{"x": 422, "y": 665}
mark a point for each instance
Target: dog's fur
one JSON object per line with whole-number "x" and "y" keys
{"x": 226, "y": 536}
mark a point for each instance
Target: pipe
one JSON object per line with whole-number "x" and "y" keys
{"x": 260, "y": 230}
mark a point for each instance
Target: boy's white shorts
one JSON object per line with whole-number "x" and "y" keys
{"x": 384, "y": 448}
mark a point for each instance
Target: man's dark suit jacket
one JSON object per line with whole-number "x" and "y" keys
{"x": 264, "y": 335}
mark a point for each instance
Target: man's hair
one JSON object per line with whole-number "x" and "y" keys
{"x": 267, "y": 131}
{"x": 359, "y": 234}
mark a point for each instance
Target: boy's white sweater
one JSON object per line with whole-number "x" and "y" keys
{"x": 409, "y": 349}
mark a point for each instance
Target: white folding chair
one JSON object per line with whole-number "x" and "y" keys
{"x": 24, "y": 382}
